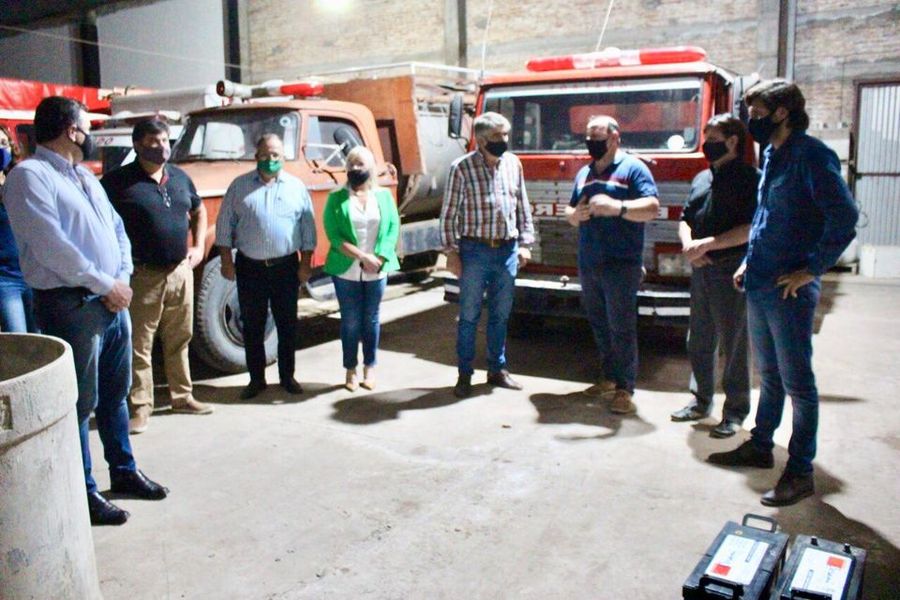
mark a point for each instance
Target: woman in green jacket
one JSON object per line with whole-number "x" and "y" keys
{"x": 362, "y": 224}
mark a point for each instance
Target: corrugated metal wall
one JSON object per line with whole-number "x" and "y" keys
{"x": 878, "y": 164}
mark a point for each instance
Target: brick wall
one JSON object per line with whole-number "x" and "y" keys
{"x": 837, "y": 41}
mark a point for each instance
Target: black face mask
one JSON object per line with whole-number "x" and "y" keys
{"x": 713, "y": 151}
{"x": 358, "y": 177}
{"x": 596, "y": 148}
{"x": 87, "y": 146}
{"x": 496, "y": 148}
{"x": 762, "y": 129}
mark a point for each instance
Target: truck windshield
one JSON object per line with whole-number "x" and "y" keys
{"x": 655, "y": 115}
{"x": 232, "y": 135}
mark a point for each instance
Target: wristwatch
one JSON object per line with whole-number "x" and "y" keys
{"x": 623, "y": 209}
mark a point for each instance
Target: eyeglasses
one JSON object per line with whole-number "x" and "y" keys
{"x": 165, "y": 196}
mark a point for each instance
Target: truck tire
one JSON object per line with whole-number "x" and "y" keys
{"x": 218, "y": 333}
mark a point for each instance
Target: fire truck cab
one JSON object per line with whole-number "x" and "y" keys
{"x": 661, "y": 99}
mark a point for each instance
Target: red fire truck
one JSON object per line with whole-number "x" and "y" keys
{"x": 19, "y": 98}
{"x": 661, "y": 98}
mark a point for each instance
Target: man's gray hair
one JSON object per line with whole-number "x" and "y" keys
{"x": 603, "y": 122}
{"x": 488, "y": 122}
{"x": 267, "y": 137}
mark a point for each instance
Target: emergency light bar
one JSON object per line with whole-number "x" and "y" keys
{"x": 298, "y": 89}
{"x": 615, "y": 57}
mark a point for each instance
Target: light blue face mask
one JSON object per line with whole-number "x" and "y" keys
{"x": 5, "y": 158}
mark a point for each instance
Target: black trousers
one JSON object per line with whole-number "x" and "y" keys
{"x": 260, "y": 286}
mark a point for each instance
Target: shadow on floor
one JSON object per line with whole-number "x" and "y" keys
{"x": 814, "y": 516}
{"x": 576, "y": 408}
{"x": 273, "y": 394}
{"x": 385, "y": 406}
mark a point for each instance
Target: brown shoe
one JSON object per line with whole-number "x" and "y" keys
{"x": 791, "y": 488}
{"x": 622, "y": 404}
{"x": 141, "y": 419}
{"x": 502, "y": 379}
{"x": 192, "y": 407}
{"x": 602, "y": 389}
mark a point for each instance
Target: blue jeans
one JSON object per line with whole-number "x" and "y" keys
{"x": 719, "y": 322}
{"x": 491, "y": 270}
{"x": 360, "y": 302}
{"x": 101, "y": 349}
{"x": 781, "y": 334}
{"x": 16, "y": 306}
{"x": 609, "y": 295}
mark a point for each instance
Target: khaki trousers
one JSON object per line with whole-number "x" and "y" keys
{"x": 163, "y": 301}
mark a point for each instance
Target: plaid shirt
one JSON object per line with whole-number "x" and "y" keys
{"x": 486, "y": 203}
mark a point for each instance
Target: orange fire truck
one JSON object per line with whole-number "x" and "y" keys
{"x": 400, "y": 112}
{"x": 661, "y": 98}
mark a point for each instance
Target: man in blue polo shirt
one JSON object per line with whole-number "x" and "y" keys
{"x": 805, "y": 219}
{"x": 614, "y": 195}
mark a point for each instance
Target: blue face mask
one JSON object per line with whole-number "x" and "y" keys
{"x": 5, "y": 158}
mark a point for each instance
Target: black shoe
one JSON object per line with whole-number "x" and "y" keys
{"x": 503, "y": 380}
{"x": 725, "y": 429}
{"x": 292, "y": 386}
{"x": 745, "y": 455}
{"x": 253, "y": 390}
{"x": 135, "y": 483}
{"x": 463, "y": 387}
{"x": 104, "y": 512}
{"x": 688, "y": 413}
{"x": 790, "y": 489}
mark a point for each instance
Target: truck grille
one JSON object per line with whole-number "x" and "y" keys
{"x": 556, "y": 242}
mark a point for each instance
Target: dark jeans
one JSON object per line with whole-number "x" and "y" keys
{"x": 609, "y": 295}
{"x": 491, "y": 270}
{"x": 258, "y": 287}
{"x": 101, "y": 349}
{"x": 16, "y": 306}
{"x": 360, "y": 302}
{"x": 781, "y": 332}
{"x": 719, "y": 321}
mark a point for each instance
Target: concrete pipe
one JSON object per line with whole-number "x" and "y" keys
{"x": 46, "y": 549}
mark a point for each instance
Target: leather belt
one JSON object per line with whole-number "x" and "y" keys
{"x": 269, "y": 262}
{"x": 489, "y": 242}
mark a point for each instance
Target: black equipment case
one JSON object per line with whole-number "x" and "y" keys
{"x": 741, "y": 564}
{"x": 821, "y": 570}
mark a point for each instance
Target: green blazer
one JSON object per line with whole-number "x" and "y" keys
{"x": 339, "y": 229}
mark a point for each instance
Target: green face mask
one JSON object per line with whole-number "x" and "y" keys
{"x": 269, "y": 166}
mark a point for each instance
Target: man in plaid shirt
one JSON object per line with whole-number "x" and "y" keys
{"x": 486, "y": 230}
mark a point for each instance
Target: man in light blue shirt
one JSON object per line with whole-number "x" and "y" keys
{"x": 75, "y": 254}
{"x": 267, "y": 215}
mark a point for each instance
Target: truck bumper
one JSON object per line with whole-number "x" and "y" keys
{"x": 658, "y": 305}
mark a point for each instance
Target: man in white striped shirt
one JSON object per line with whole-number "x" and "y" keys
{"x": 486, "y": 230}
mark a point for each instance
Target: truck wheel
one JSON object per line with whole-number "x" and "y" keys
{"x": 218, "y": 335}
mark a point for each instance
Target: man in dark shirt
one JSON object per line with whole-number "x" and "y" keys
{"x": 805, "y": 219}
{"x": 614, "y": 195}
{"x": 713, "y": 232}
{"x": 159, "y": 205}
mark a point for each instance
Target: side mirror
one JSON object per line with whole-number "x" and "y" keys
{"x": 454, "y": 120}
{"x": 346, "y": 138}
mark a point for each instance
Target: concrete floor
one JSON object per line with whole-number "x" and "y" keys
{"x": 409, "y": 493}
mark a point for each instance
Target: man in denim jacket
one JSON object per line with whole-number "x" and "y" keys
{"x": 805, "y": 219}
